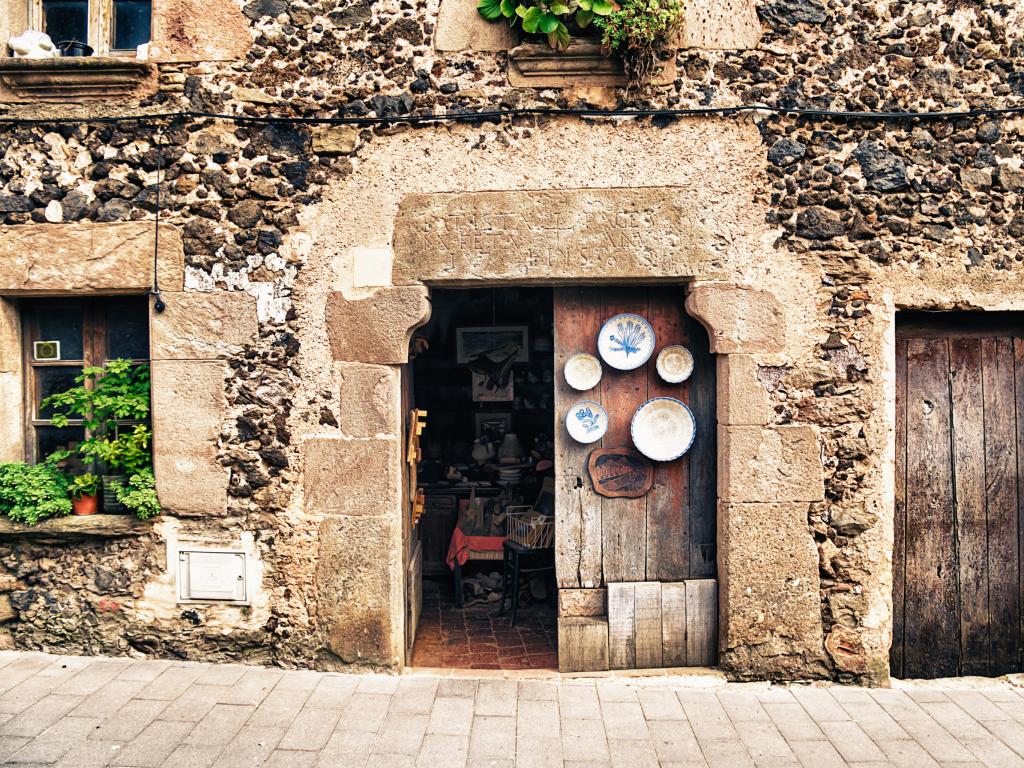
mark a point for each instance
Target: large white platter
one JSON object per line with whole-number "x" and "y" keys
{"x": 626, "y": 341}
{"x": 586, "y": 421}
{"x": 582, "y": 371}
{"x": 663, "y": 429}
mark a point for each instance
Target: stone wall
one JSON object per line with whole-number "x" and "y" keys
{"x": 842, "y": 222}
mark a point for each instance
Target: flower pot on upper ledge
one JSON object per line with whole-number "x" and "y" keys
{"x": 85, "y": 505}
{"x": 536, "y": 65}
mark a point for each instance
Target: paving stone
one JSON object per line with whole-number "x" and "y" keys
{"x": 350, "y": 745}
{"x": 290, "y": 759}
{"x": 389, "y": 761}
{"x": 853, "y": 744}
{"x": 299, "y": 680}
{"x": 907, "y": 754}
{"x": 451, "y": 715}
{"x": 91, "y": 678}
{"x": 91, "y": 754}
{"x": 220, "y": 725}
{"x": 193, "y": 705}
{"x": 378, "y": 684}
{"x": 993, "y": 752}
{"x": 675, "y": 742}
{"x": 766, "y": 744}
{"x": 364, "y": 712}
{"x": 252, "y": 687}
{"x": 632, "y": 753}
{"x": 820, "y": 704}
{"x": 937, "y": 741}
{"x": 975, "y": 704}
{"x": 11, "y": 744}
{"x": 144, "y": 671}
{"x": 899, "y": 705}
{"x": 193, "y": 756}
{"x": 578, "y": 702}
{"x": 584, "y": 740}
{"x": 492, "y": 737}
{"x": 252, "y": 745}
{"x": 402, "y": 734}
{"x": 496, "y": 698}
{"x": 40, "y": 716}
{"x": 26, "y": 693}
{"x": 817, "y": 754}
{"x": 222, "y": 674}
{"x": 415, "y": 696}
{"x": 726, "y": 754}
{"x": 333, "y": 692}
{"x": 951, "y": 717}
{"x": 537, "y": 690}
{"x": 615, "y": 691}
{"x": 497, "y": 762}
{"x": 130, "y": 720}
{"x": 741, "y": 707}
{"x": 53, "y": 743}
{"x": 280, "y": 708}
{"x": 155, "y": 744}
{"x": 538, "y": 752}
{"x": 108, "y": 699}
{"x": 793, "y": 721}
{"x": 170, "y": 684}
{"x": 538, "y": 719}
{"x": 660, "y": 704}
{"x": 1010, "y": 732}
{"x": 19, "y": 670}
{"x": 457, "y": 687}
{"x": 709, "y": 721}
{"x": 624, "y": 720}
{"x": 443, "y": 751}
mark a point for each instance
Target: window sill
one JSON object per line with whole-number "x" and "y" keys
{"x": 74, "y": 78}
{"x": 536, "y": 65}
{"x": 76, "y": 528}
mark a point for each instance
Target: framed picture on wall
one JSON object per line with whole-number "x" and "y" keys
{"x": 495, "y": 342}
{"x": 486, "y": 391}
{"x": 494, "y": 425}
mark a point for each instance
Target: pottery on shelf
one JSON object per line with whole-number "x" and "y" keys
{"x": 674, "y": 364}
{"x": 510, "y": 447}
{"x": 663, "y": 429}
{"x": 626, "y": 341}
{"x": 582, "y": 371}
{"x": 586, "y": 421}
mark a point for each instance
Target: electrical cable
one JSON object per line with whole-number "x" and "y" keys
{"x": 158, "y": 303}
{"x": 500, "y": 114}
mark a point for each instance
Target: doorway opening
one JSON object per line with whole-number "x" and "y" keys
{"x": 483, "y": 371}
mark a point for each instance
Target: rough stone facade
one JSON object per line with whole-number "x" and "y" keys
{"x": 799, "y": 239}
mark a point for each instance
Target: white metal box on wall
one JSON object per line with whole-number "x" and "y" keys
{"x": 213, "y": 575}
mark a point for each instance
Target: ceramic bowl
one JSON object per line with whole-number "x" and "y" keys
{"x": 663, "y": 429}
{"x": 626, "y": 341}
{"x": 674, "y": 364}
{"x": 586, "y": 421}
{"x": 582, "y": 371}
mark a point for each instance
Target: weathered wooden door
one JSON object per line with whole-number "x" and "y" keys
{"x": 959, "y": 499}
{"x": 669, "y": 534}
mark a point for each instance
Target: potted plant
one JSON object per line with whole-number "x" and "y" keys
{"x": 139, "y": 494}
{"x": 30, "y": 493}
{"x": 103, "y": 398}
{"x": 84, "y": 490}
{"x": 552, "y": 18}
{"x": 638, "y": 31}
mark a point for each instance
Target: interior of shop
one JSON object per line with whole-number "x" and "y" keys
{"x": 483, "y": 370}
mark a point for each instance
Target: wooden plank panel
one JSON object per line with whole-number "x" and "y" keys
{"x": 971, "y": 530}
{"x": 578, "y": 509}
{"x": 899, "y": 562}
{"x": 647, "y": 623}
{"x": 1001, "y": 499}
{"x": 621, "y": 627}
{"x": 703, "y": 457}
{"x": 701, "y": 622}
{"x": 582, "y": 602}
{"x": 623, "y": 521}
{"x": 668, "y": 507}
{"x": 931, "y": 629}
{"x": 1018, "y": 355}
{"x": 582, "y": 644}
{"x": 673, "y": 624}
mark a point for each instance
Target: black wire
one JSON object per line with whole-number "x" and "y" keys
{"x": 158, "y": 303}
{"x": 527, "y": 112}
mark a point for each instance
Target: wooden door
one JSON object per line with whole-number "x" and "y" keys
{"x": 959, "y": 499}
{"x": 668, "y": 534}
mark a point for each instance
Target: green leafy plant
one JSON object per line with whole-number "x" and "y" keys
{"x": 547, "y": 17}
{"x": 139, "y": 495}
{"x": 86, "y": 484}
{"x": 637, "y": 31}
{"x": 30, "y": 493}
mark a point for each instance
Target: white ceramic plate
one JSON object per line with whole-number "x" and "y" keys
{"x": 586, "y": 421}
{"x": 582, "y": 371}
{"x": 674, "y": 364}
{"x": 626, "y": 341}
{"x": 663, "y": 429}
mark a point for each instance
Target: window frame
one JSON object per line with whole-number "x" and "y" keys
{"x": 95, "y": 349}
{"x": 100, "y": 24}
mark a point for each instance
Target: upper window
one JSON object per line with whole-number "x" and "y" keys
{"x": 63, "y": 336}
{"x": 100, "y": 27}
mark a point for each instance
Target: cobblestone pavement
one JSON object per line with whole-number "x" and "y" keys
{"x": 84, "y": 712}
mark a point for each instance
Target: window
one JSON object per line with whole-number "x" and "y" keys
{"x": 109, "y": 27}
{"x": 62, "y": 336}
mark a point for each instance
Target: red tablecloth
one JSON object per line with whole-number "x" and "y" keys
{"x": 462, "y": 544}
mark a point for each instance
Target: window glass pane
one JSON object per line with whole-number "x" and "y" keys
{"x": 128, "y": 329}
{"x": 50, "y": 381}
{"x": 131, "y": 24}
{"x": 66, "y": 20}
{"x": 50, "y": 439}
{"x": 63, "y": 323}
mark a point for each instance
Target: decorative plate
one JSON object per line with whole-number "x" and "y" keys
{"x": 616, "y": 472}
{"x": 674, "y": 364}
{"x": 582, "y": 371}
{"x": 586, "y": 421}
{"x": 626, "y": 341}
{"x": 663, "y": 429}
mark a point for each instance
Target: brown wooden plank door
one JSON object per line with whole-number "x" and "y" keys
{"x": 959, "y": 502}
{"x": 669, "y": 534}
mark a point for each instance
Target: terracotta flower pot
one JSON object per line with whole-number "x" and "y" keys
{"x": 84, "y": 505}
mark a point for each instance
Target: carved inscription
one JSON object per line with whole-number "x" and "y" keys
{"x": 549, "y": 234}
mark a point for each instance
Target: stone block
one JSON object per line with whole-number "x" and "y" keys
{"x": 624, "y": 234}
{"x": 369, "y": 400}
{"x": 202, "y": 325}
{"x": 377, "y": 329}
{"x": 88, "y": 257}
{"x": 742, "y": 398}
{"x": 10, "y": 338}
{"x": 188, "y": 413}
{"x": 335, "y": 139}
{"x": 351, "y": 477}
{"x": 12, "y": 436}
{"x": 460, "y": 27}
{"x": 769, "y": 590}
{"x": 729, "y": 25}
{"x": 371, "y": 267}
{"x": 766, "y": 464}
{"x": 199, "y": 30}
{"x": 355, "y": 600}
{"x": 582, "y": 602}
{"x": 738, "y": 318}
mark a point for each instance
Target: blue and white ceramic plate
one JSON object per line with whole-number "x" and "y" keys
{"x": 626, "y": 341}
{"x": 586, "y": 421}
{"x": 663, "y": 429}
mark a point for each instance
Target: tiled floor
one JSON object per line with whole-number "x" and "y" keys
{"x": 473, "y": 638}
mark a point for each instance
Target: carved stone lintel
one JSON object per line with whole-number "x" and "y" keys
{"x": 534, "y": 65}
{"x": 72, "y": 78}
{"x": 73, "y": 528}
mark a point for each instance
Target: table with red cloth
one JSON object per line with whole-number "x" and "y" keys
{"x": 464, "y": 548}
